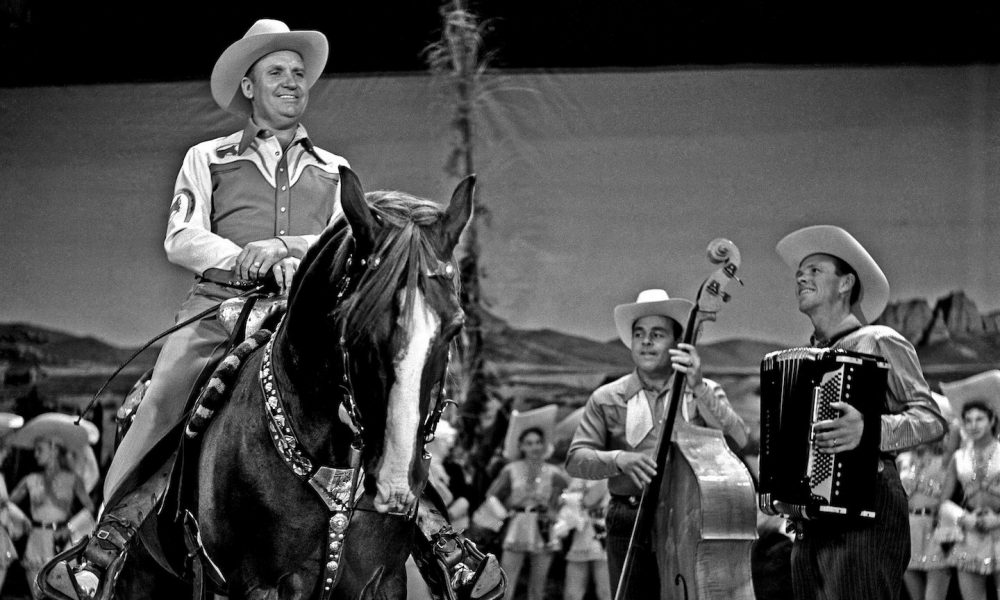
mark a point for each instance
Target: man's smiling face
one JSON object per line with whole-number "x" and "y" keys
{"x": 817, "y": 282}
{"x": 277, "y": 88}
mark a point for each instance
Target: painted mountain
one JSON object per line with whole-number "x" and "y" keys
{"x": 529, "y": 368}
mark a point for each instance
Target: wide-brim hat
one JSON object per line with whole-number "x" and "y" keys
{"x": 944, "y": 405}
{"x": 984, "y": 387}
{"x": 650, "y": 302}
{"x": 9, "y": 422}
{"x": 263, "y": 38}
{"x": 543, "y": 418}
{"x": 832, "y": 240}
{"x": 58, "y": 426}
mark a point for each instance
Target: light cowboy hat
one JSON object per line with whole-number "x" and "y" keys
{"x": 984, "y": 387}
{"x": 650, "y": 302}
{"x": 58, "y": 426}
{"x": 9, "y": 422}
{"x": 944, "y": 405}
{"x": 832, "y": 240}
{"x": 263, "y": 38}
{"x": 543, "y": 418}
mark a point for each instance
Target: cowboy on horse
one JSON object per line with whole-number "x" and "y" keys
{"x": 248, "y": 207}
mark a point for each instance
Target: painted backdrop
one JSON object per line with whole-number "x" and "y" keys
{"x": 599, "y": 184}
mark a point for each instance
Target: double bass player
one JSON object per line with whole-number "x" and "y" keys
{"x": 618, "y": 434}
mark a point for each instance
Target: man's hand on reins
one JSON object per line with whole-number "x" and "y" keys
{"x": 283, "y": 271}
{"x": 257, "y": 258}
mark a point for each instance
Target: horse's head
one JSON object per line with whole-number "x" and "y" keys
{"x": 397, "y": 323}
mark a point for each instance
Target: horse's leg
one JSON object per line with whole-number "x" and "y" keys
{"x": 141, "y": 577}
{"x": 264, "y": 528}
{"x": 373, "y": 566}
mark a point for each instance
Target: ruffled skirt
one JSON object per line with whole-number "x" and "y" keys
{"x": 926, "y": 553}
{"x": 524, "y": 534}
{"x": 977, "y": 552}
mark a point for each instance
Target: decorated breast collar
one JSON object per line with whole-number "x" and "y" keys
{"x": 337, "y": 488}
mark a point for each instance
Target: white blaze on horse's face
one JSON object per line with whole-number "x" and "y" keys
{"x": 403, "y": 413}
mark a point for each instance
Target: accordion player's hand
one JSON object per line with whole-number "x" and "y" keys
{"x": 840, "y": 434}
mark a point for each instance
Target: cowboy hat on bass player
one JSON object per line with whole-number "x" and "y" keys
{"x": 245, "y": 206}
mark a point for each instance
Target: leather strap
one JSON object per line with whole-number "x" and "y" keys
{"x": 198, "y": 562}
{"x": 227, "y": 278}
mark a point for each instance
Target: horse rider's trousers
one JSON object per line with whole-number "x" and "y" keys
{"x": 186, "y": 353}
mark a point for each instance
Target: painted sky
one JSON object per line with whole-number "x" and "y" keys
{"x": 599, "y": 184}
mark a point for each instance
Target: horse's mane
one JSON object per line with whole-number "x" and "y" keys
{"x": 402, "y": 256}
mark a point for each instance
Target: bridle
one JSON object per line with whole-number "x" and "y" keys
{"x": 442, "y": 270}
{"x": 339, "y": 488}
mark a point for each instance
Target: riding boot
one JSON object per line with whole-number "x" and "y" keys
{"x": 88, "y": 570}
{"x": 451, "y": 565}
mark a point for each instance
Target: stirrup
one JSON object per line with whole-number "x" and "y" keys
{"x": 485, "y": 579}
{"x": 470, "y": 574}
{"x": 58, "y": 578}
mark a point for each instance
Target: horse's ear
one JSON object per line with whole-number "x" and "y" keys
{"x": 459, "y": 211}
{"x": 356, "y": 209}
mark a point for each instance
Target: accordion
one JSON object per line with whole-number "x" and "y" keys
{"x": 797, "y": 388}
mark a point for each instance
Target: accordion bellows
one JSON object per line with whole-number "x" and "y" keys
{"x": 797, "y": 388}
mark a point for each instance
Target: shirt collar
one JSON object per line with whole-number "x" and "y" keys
{"x": 252, "y": 131}
{"x": 633, "y": 384}
{"x": 818, "y": 342}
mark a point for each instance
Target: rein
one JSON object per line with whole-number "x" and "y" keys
{"x": 338, "y": 488}
{"x": 157, "y": 337}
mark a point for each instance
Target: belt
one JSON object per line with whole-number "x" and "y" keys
{"x": 632, "y": 501}
{"x": 923, "y": 511}
{"x": 50, "y": 526}
{"x": 530, "y": 509}
{"x": 227, "y": 278}
{"x": 980, "y": 511}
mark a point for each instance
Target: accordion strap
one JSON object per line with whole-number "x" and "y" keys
{"x": 836, "y": 338}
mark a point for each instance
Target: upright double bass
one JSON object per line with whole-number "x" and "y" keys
{"x": 701, "y": 504}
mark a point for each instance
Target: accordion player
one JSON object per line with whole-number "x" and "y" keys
{"x": 797, "y": 387}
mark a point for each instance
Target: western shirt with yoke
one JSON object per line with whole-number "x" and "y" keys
{"x": 601, "y": 436}
{"x": 243, "y": 188}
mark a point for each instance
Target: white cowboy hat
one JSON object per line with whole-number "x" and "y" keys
{"x": 543, "y": 418}
{"x": 944, "y": 405}
{"x": 984, "y": 387}
{"x": 10, "y": 421}
{"x": 263, "y": 38}
{"x": 57, "y": 426}
{"x": 650, "y": 302}
{"x": 832, "y": 240}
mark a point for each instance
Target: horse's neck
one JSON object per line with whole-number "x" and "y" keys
{"x": 311, "y": 397}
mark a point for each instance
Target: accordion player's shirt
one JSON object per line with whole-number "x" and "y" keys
{"x": 910, "y": 415}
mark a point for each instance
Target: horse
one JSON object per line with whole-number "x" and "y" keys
{"x": 352, "y": 377}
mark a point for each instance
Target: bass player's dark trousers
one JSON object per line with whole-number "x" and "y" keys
{"x": 645, "y": 575}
